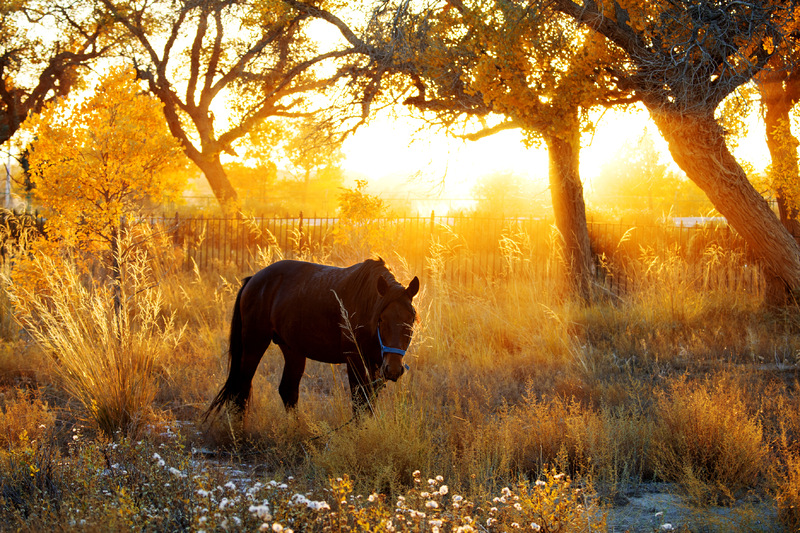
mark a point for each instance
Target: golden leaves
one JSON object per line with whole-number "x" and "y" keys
{"x": 102, "y": 159}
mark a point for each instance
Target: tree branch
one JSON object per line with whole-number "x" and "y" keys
{"x": 486, "y": 132}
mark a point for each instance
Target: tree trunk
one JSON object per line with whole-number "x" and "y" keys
{"x": 569, "y": 209}
{"x": 218, "y": 180}
{"x": 697, "y": 145}
{"x": 782, "y": 144}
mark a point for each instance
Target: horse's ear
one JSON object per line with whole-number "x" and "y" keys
{"x": 383, "y": 286}
{"x": 413, "y": 287}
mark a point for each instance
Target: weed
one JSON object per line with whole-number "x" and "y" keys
{"x": 705, "y": 440}
{"x": 105, "y": 351}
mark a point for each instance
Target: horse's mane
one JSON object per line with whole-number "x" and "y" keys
{"x": 360, "y": 289}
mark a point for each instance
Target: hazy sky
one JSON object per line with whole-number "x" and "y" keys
{"x": 388, "y": 151}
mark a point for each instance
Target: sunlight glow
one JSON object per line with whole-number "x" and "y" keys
{"x": 399, "y": 161}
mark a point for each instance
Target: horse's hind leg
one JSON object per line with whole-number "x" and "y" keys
{"x": 252, "y": 353}
{"x": 293, "y": 368}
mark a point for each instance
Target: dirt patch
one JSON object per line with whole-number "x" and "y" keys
{"x": 662, "y": 508}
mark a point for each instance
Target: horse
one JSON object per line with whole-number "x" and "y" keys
{"x": 360, "y": 316}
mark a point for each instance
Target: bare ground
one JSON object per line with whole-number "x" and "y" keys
{"x": 659, "y": 507}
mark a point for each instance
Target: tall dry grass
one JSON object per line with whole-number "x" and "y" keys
{"x": 706, "y": 440}
{"x": 508, "y": 379}
{"x": 106, "y": 346}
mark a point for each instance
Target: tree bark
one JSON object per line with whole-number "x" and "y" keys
{"x": 218, "y": 180}
{"x": 569, "y": 210}
{"x": 778, "y": 100}
{"x": 697, "y": 145}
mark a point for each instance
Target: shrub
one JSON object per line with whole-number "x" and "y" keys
{"x": 705, "y": 440}
{"x": 106, "y": 343}
{"x": 789, "y": 495}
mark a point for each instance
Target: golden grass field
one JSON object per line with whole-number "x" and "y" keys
{"x": 521, "y": 410}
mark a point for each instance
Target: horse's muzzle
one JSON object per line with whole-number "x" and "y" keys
{"x": 392, "y": 367}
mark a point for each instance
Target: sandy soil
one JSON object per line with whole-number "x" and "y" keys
{"x": 660, "y": 508}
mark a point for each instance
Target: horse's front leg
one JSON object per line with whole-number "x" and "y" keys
{"x": 293, "y": 367}
{"x": 364, "y": 385}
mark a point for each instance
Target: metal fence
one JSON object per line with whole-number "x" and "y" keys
{"x": 466, "y": 249}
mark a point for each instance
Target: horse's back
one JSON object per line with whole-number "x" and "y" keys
{"x": 294, "y": 303}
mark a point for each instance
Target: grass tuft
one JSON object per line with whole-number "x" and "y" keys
{"x": 106, "y": 350}
{"x": 707, "y": 441}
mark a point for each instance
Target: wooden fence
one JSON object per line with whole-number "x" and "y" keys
{"x": 467, "y": 250}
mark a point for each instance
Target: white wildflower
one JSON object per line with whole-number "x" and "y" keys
{"x": 443, "y": 490}
{"x": 261, "y": 511}
{"x": 277, "y": 528}
{"x": 230, "y": 485}
{"x": 430, "y": 504}
{"x": 517, "y": 506}
{"x": 667, "y": 527}
{"x": 535, "y": 526}
{"x": 319, "y": 506}
{"x": 457, "y": 498}
{"x": 298, "y": 499}
{"x": 439, "y": 479}
{"x": 540, "y": 483}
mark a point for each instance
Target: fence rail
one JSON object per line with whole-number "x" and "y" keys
{"x": 466, "y": 250}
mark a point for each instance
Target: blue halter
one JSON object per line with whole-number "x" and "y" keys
{"x": 388, "y": 349}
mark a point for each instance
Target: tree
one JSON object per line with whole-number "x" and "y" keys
{"x": 684, "y": 59}
{"x": 311, "y": 153}
{"x": 514, "y": 67}
{"x": 359, "y": 213}
{"x": 636, "y": 180}
{"x": 779, "y": 87}
{"x": 252, "y": 60}
{"x": 99, "y": 163}
{"x": 43, "y": 46}
{"x": 501, "y": 193}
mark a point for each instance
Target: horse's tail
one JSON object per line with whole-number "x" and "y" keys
{"x": 230, "y": 389}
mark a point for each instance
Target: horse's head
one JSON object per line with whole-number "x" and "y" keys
{"x": 395, "y": 326}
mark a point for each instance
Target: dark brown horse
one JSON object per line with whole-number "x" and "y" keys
{"x": 360, "y": 316}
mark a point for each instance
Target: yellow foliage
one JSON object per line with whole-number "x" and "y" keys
{"x": 102, "y": 159}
